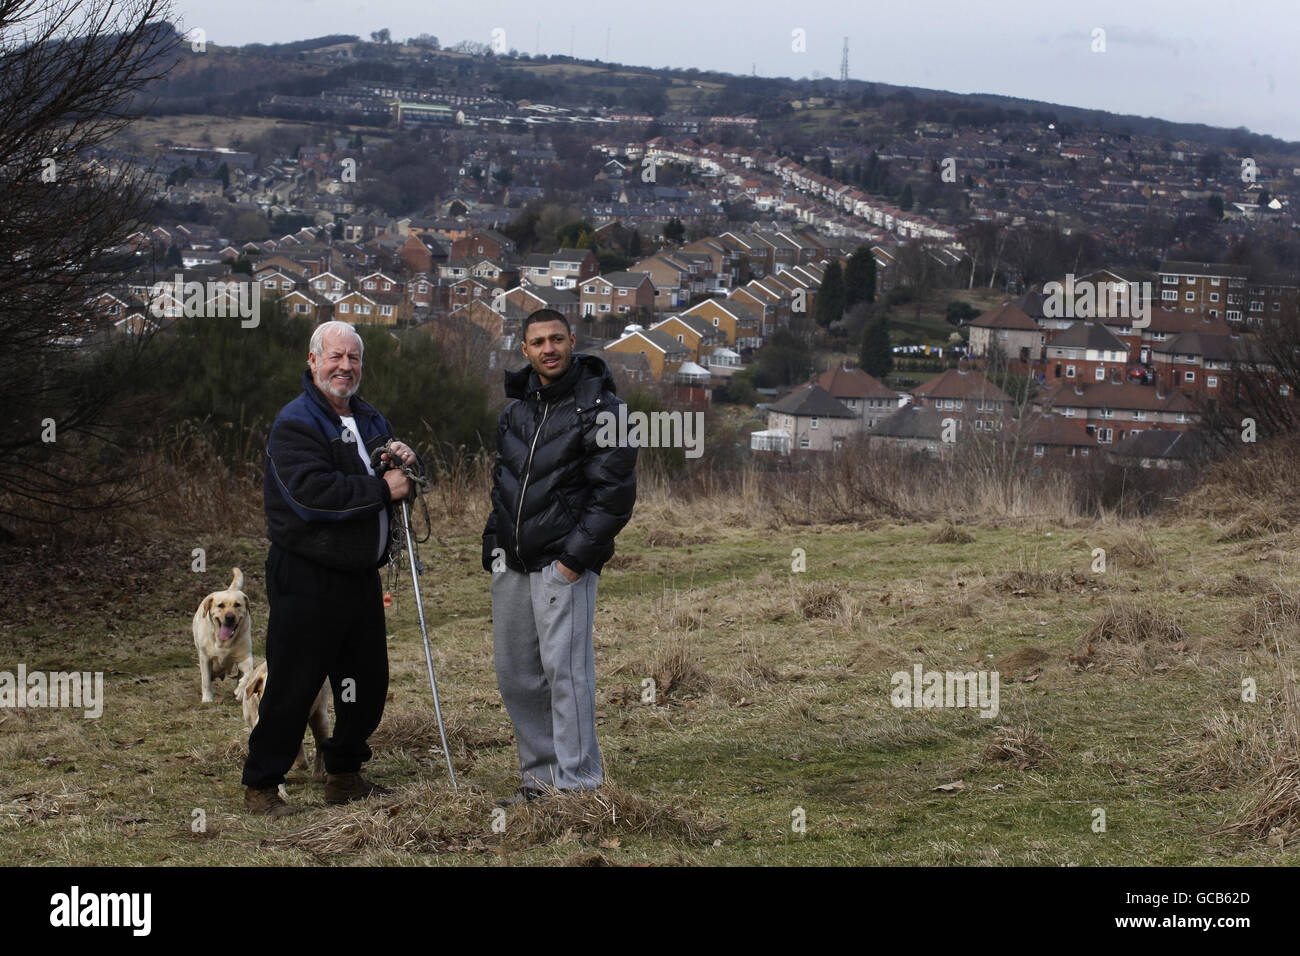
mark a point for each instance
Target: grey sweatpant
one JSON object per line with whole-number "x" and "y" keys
{"x": 546, "y": 670}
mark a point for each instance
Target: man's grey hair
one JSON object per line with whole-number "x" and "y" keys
{"x": 318, "y": 337}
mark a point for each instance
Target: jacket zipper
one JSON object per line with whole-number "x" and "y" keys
{"x": 528, "y": 471}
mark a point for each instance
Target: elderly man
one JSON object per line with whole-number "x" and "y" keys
{"x": 328, "y": 516}
{"x": 558, "y": 499}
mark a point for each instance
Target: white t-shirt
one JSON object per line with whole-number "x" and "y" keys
{"x": 350, "y": 424}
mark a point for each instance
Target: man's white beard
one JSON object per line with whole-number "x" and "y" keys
{"x": 329, "y": 388}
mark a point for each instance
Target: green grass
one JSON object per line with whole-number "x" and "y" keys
{"x": 785, "y": 710}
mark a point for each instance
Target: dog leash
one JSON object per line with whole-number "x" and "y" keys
{"x": 419, "y": 485}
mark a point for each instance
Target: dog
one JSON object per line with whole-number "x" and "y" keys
{"x": 250, "y": 692}
{"x": 223, "y": 634}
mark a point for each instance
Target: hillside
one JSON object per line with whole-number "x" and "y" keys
{"x": 1120, "y": 691}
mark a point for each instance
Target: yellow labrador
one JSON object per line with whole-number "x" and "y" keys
{"x": 250, "y": 691}
{"x": 223, "y": 634}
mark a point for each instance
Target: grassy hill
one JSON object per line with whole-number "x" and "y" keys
{"x": 1120, "y": 691}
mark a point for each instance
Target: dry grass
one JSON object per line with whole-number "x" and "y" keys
{"x": 607, "y": 812}
{"x": 1137, "y": 551}
{"x": 1276, "y": 610}
{"x": 1259, "y": 522}
{"x": 1133, "y": 638}
{"x": 661, "y": 537}
{"x": 820, "y": 601}
{"x": 1027, "y": 582}
{"x": 949, "y": 533}
{"x": 675, "y": 669}
{"x": 1019, "y": 745}
{"x": 1231, "y": 750}
{"x": 1273, "y": 811}
{"x": 417, "y": 818}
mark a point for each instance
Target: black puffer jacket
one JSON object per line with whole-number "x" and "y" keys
{"x": 555, "y": 492}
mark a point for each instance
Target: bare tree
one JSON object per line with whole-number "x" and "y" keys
{"x": 72, "y": 74}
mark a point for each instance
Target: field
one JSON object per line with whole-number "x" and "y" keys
{"x": 771, "y": 737}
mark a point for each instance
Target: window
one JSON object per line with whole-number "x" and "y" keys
{"x": 1191, "y": 297}
{"x": 1211, "y": 381}
{"x": 1169, "y": 280}
{"x": 343, "y": 307}
{"x": 622, "y": 291}
{"x": 1105, "y": 435}
{"x": 803, "y": 442}
{"x": 1038, "y": 451}
{"x": 1277, "y": 306}
{"x": 1233, "y": 314}
{"x": 1214, "y": 282}
{"x": 1100, "y": 373}
{"x": 1256, "y": 306}
{"x": 814, "y": 422}
{"x": 1069, "y": 371}
{"x": 1284, "y": 389}
{"x": 1189, "y": 376}
{"x": 1214, "y": 297}
{"x": 1071, "y": 353}
{"x": 1067, "y": 412}
{"x": 1190, "y": 280}
{"x": 1108, "y": 413}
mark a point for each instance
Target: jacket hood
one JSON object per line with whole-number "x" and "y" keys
{"x": 524, "y": 383}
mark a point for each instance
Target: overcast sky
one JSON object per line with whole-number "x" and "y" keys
{"x": 1209, "y": 61}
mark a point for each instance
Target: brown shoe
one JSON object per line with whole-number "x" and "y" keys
{"x": 346, "y": 787}
{"x": 267, "y": 802}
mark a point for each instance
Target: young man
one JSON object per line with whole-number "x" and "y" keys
{"x": 327, "y": 515}
{"x": 558, "y": 500}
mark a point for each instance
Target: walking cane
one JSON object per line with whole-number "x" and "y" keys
{"x": 417, "y": 568}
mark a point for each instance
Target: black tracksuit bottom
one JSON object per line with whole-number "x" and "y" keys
{"x": 323, "y": 623}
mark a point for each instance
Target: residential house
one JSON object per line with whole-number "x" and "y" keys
{"x": 1087, "y": 350}
{"x": 738, "y": 324}
{"x": 618, "y": 293}
{"x": 1205, "y": 287}
{"x": 665, "y": 355}
{"x": 700, "y": 337}
{"x": 812, "y": 418}
{"x": 969, "y": 395}
{"x": 1014, "y": 333}
{"x": 860, "y": 393}
{"x": 532, "y": 298}
{"x": 1113, "y": 411}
